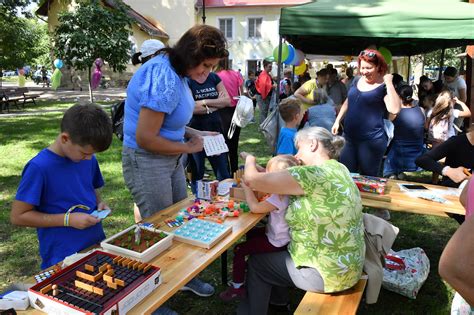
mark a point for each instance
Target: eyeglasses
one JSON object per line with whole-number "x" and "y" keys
{"x": 369, "y": 54}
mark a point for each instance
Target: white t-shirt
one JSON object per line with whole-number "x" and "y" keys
{"x": 456, "y": 85}
{"x": 278, "y": 232}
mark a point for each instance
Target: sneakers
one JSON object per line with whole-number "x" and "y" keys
{"x": 199, "y": 287}
{"x": 163, "y": 310}
{"x": 233, "y": 294}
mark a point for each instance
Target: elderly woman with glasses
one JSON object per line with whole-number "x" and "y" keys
{"x": 326, "y": 250}
{"x": 369, "y": 98}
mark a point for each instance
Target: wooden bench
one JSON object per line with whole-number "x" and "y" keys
{"x": 15, "y": 96}
{"x": 341, "y": 303}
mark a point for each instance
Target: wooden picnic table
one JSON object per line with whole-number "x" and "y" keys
{"x": 397, "y": 200}
{"x": 182, "y": 262}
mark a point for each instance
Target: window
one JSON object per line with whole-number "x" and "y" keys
{"x": 225, "y": 25}
{"x": 255, "y": 28}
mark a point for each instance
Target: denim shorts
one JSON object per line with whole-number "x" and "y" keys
{"x": 155, "y": 181}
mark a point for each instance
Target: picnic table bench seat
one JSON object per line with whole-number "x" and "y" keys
{"x": 340, "y": 303}
{"x": 14, "y": 96}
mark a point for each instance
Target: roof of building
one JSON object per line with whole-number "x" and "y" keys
{"x": 253, "y": 3}
{"x": 143, "y": 23}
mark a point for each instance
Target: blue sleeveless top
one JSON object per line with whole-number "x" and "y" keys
{"x": 365, "y": 113}
{"x": 409, "y": 125}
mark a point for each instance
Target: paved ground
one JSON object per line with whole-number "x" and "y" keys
{"x": 109, "y": 94}
{"x": 46, "y": 93}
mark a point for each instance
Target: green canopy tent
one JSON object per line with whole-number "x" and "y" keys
{"x": 405, "y": 27}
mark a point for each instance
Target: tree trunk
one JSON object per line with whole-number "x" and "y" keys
{"x": 90, "y": 87}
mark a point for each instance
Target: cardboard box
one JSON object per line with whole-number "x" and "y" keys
{"x": 370, "y": 184}
{"x": 206, "y": 189}
{"x": 237, "y": 193}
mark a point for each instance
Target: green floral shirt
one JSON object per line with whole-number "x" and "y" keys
{"x": 326, "y": 227}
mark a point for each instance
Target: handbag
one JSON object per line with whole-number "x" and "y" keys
{"x": 406, "y": 271}
{"x": 242, "y": 116}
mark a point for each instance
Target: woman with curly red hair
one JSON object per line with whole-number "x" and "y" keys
{"x": 369, "y": 97}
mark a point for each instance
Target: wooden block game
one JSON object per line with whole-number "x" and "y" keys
{"x": 100, "y": 283}
{"x": 202, "y": 233}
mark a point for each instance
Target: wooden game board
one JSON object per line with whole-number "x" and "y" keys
{"x": 97, "y": 284}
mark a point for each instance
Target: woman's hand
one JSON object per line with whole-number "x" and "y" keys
{"x": 195, "y": 144}
{"x": 102, "y": 206}
{"x": 388, "y": 78}
{"x": 209, "y": 133}
{"x": 244, "y": 155}
{"x": 457, "y": 174}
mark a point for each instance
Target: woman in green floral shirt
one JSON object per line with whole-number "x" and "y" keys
{"x": 327, "y": 249}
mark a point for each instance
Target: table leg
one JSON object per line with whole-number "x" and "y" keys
{"x": 224, "y": 268}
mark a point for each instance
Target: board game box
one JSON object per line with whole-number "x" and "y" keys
{"x": 370, "y": 184}
{"x": 202, "y": 233}
{"x": 150, "y": 244}
{"x": 100, "y": 283}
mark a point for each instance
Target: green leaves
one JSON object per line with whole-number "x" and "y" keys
{"x": 93, "y": 31}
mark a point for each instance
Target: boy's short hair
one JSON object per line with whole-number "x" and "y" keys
{"x": 450, "y": 72}
{"x": 323, "y": 72}
{"x": 289, "y": 108}
{"x": 88, "y": 124}
{"x": 281, "y": 162}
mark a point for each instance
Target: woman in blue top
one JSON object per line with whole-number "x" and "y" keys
{"x": 364, "y": 109}
{"x": 159, "y": 105}
{"x": 407, "y": 142}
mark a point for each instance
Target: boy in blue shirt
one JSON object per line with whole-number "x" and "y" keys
{"x": 66, "y": 176}
{"x": 290, "y": 112}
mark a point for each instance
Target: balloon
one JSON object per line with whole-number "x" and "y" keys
{"x": 299, "y": 57}
{"x": 291, "y": 54}
{"x": 56, "y": 78}
{"x": 58, "y": 63}
{"x": 299, "y": 70}
{"x": 386, "y": 54}
{"x": 284, "y": 52}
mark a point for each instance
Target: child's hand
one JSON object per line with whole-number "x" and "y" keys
{"x": 82, "y": 221}
{"x": 102, "y": 206}
{"x": 244, "y": 155}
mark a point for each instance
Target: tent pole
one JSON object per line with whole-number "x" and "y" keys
{"x": 408, "y": 70}
{"x": 277, "y": 91}
{"x": 441, "y": 64}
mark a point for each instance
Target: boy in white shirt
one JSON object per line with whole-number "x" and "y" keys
{"x": 274, "y": 237}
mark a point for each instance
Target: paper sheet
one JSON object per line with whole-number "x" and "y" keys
{"x": 215, "y": 145}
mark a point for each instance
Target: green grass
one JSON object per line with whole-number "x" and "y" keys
{"x": 22, "y": 137}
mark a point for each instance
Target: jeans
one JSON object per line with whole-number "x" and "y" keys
{"x": 364, "y": 156}
{"x": 263, "y": 106}
{"x": 155, "y": 181}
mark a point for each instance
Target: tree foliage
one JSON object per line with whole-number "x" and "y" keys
{"x": 93, "y": 31}
{"x": 22, "y": 41}
{"x": 433, "y": 59}
{"x": 10, "y": 8}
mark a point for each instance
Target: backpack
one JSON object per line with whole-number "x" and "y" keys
{"x": 243, "y": 114}
{"x": 117, "y": 112}
{"x": 251, "y": 88}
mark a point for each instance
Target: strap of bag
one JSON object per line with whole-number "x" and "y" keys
{"x": 394, "y": 263}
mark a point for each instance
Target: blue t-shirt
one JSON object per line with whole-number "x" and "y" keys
{"x": 158, "y": 87}
{"x": 53, "y": 184}
{"x": 365, "y": 113}
{"x": 286, "y": 141}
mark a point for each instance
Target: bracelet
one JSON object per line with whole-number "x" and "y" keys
{"x": 68, "y": 212}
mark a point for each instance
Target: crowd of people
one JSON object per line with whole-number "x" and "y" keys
{"x": 314, "y": 238}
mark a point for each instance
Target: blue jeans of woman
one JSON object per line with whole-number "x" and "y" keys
{"x": 219, "y": 163}
{"x": 364, "y": 156}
